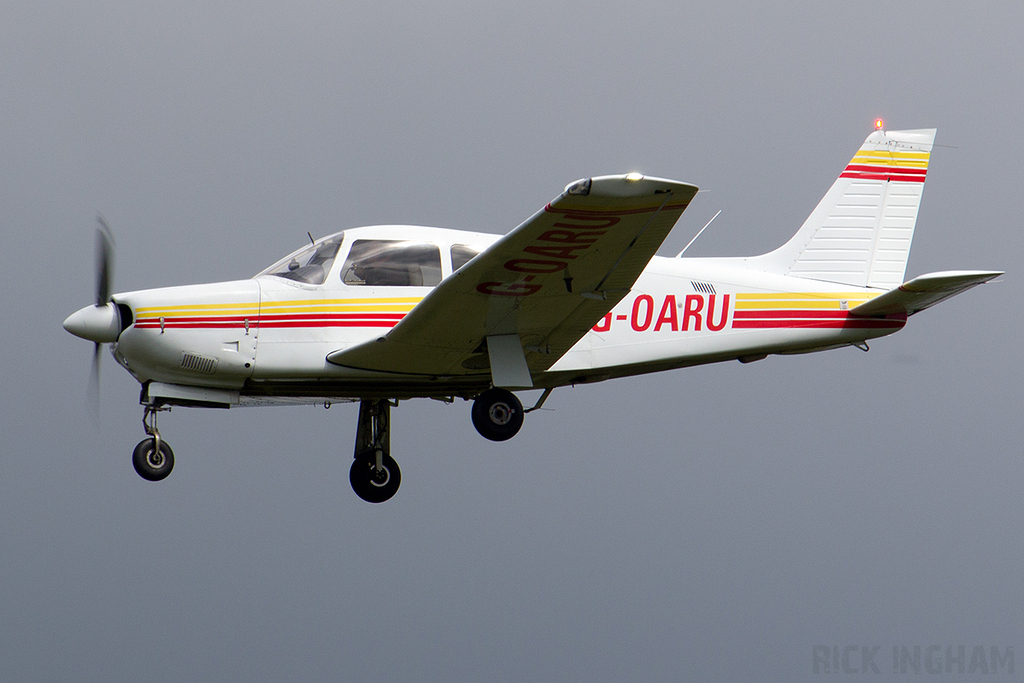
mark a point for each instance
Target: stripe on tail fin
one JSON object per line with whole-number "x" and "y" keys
{"x": 860, "y": 232}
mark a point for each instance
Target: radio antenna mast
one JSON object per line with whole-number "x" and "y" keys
{"x": 698, "y": 235}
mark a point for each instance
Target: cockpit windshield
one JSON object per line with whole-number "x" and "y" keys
{"x": 310, "y": 264}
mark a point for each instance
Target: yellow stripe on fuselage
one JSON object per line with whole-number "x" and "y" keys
{"x": 390, "y": 304}
{"x": 814, "y": 300}
{"x": 395, "y": 308}
{"x": 199, "y": 307}
{"x": 383, "y": 305}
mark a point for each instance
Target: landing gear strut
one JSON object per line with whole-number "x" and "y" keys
{"x": 497, "y": 414}
{"x": 374, "y": 475}
{"x": 153, "y": 458}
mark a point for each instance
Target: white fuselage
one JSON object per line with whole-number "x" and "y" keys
{"x": 269, "y": 336}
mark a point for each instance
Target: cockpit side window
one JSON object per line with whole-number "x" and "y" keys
{"x": 461, "y": 254}
{"x": 309, "y": 265}
{"x": 379, "y": 263}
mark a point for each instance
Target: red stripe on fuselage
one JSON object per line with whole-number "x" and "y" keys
{"x": 790, "y": 318}
{"x": 857, "y": 323}
{"x": 788, "y": 313}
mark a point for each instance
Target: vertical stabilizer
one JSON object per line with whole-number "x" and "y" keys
{"x": 860, "y": 232}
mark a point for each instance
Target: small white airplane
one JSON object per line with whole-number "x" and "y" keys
{"x": 573, "y": 295}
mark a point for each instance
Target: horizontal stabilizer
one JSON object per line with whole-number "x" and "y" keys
{"x": 923, "y": 292}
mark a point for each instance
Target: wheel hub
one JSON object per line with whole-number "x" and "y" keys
{"x": 379, "y": 477}
{"x": 500, "y": 413}
{"x": 155, "y": 459}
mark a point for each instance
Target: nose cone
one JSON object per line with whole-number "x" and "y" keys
{"x": 95, "y": 323}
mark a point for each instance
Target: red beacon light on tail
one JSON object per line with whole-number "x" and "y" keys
{"x": 878, "y": 124}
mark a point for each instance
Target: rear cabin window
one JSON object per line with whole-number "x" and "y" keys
{"x": 461, "y": 254}
{"x": 387, "y": 263}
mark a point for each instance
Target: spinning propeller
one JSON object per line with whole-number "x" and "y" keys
{"x": 100, "y": 323}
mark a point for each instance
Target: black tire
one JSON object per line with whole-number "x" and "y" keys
{"x": 150, "y": 465}
{"x": 497, "y": 414}
{"x": 371, "y": 485}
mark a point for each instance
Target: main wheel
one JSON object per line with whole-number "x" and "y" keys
{"x": 371, "y": 484}
{"x": 497, "y": 414}
{"x": 151, "y": 464}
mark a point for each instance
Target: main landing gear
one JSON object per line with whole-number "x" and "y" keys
{"x": 374, "y": 474}
{"x": 497, "y": 414}
{"x": 153, "y": 458}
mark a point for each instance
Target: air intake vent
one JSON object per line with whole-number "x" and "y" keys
{"x": 705, "y": 287}
{"x": 195, "y": 363}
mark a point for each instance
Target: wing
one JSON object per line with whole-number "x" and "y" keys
{"x": 518, "y": 306}
{"x": 923, "y": 292}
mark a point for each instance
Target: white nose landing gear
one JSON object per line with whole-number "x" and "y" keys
{"x": 374, "y": 475}
{"x": 153, "y": 458}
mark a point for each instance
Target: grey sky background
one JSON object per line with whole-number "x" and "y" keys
{"x": 706, "y": 524}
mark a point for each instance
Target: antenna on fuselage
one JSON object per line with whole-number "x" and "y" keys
{"x": 698, "y": 234}
{"x": 314, "y": 241}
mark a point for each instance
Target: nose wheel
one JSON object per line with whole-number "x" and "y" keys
{"x": 372, "y": 482}
{"x": 374, "y": 475}
{"x": 153, "y": 458}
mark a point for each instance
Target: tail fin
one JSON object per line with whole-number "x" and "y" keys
{"x": 860, "y": 232}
